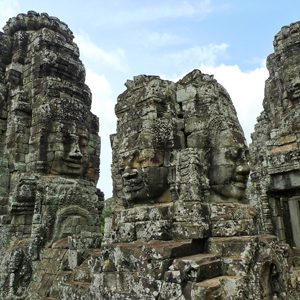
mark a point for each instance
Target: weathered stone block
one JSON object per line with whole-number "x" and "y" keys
{"x": 233, "y": 265}
{"x": 153, "y": 230}
{"x": 3, "y": 209}
{"x": 231, "y": 211}
{"x": 233, "y": 227}
{"x": 193, "y": 211}
{"x": 126, "y": 233}
{"x": 229, "y": 246}
{"x": 170, "y": 290}
{"x": 188, "y": 230}
{"x": 146, "y": 213}
{"x": 198, "y": 267}
{"x": 197, "y": 140}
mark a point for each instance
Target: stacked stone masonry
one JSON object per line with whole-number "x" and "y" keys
{"x": 186, "y": 222}
{"x": 49, "y": 154}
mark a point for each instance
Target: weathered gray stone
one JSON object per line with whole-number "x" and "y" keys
{"x": 275, "y": 183}
{"x": 185, "y": 222}
{"x": 180, "y": 169}
{"x": 49, "y": 154}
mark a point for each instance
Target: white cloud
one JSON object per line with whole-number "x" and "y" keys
{"x": 100, "y": 87}
{"x": 163, "y": 10}
{"x": 246, "y": 90}
{"x": 103, "y": 100}
{"x": 93, "y": 54}
{"x": 161, "y": 39}
{"x": 198, "y": 55}
{"x": 103, "y": 106}
{"x": 8, "y": 9}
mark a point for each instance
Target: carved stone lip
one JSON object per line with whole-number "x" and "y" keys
{"x": 132, "y": 181}
{"x": 239, "y": 184}
{"x": 241, "y": 178}
{"x": 133, "y": 185}
{"x": 74, "y": 164}
{"x": 296, "y": 94}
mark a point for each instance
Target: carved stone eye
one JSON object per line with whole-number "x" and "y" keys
{"x": 83, "y": 142}
{"x": 235, "y": 154}
{"x": 232, "y": 154}
{"x": 246, "y": 154}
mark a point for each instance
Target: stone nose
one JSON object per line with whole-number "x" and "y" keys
{"x": 75, "y": 152}
{"x": 243, "y": 169}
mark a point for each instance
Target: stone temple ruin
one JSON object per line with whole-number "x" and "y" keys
{"x": 186, "y": 221}
{"x": 49, "y": 156}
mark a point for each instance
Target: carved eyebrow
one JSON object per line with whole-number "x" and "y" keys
{"x": 233, "y": 152}
{"x": 127, "y": 158}
{"x": 83, "y": 137}
{"x": 83, "y": 142}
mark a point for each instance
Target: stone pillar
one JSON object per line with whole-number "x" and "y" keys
{"x": 294, "y": 209}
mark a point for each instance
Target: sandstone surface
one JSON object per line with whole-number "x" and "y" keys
{"x": 185, "y": 221}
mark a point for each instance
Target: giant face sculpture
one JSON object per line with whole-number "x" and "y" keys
{"x": 286, "y": 70}
{"x": 293, "y": 89}
{"x": 67, "y": 139}
{"x": 145, "y": 136}
{"x": 144, "y": 176}
{"x": 70, "y": 150}
{"x": 229, "y": 167}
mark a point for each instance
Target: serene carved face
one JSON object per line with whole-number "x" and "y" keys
{"x": 70, "y": 151}
{"x": 293, "y": 89}
{"x": 25, "y": 191}
{"x": 229, "y": 168}
{"x": 288, "y": 76}
{"x": 144, "y": 176}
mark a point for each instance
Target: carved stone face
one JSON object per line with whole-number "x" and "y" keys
{"x": 144, "y": 176}
{"x": 69, "y": 151}
{"x": 25, "y": 191}
{"x": 288, "y": 76}
{"x": 229, "y": 167}
{"x": 293, "y": 89}
{"x": 292, "y": 85}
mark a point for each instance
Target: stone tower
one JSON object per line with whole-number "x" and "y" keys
{"x": 182, "y": 226}
{"x": 275, "y": 147}
{"x": 49, "y": 154}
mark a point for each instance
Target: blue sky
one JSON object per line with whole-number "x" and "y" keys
{"x": 119, "y": 39}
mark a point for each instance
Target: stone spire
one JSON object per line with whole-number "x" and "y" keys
{"x": 275, "y": 184}
{"x": 49, "y": 153}
{"x": 47, "y": 97}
